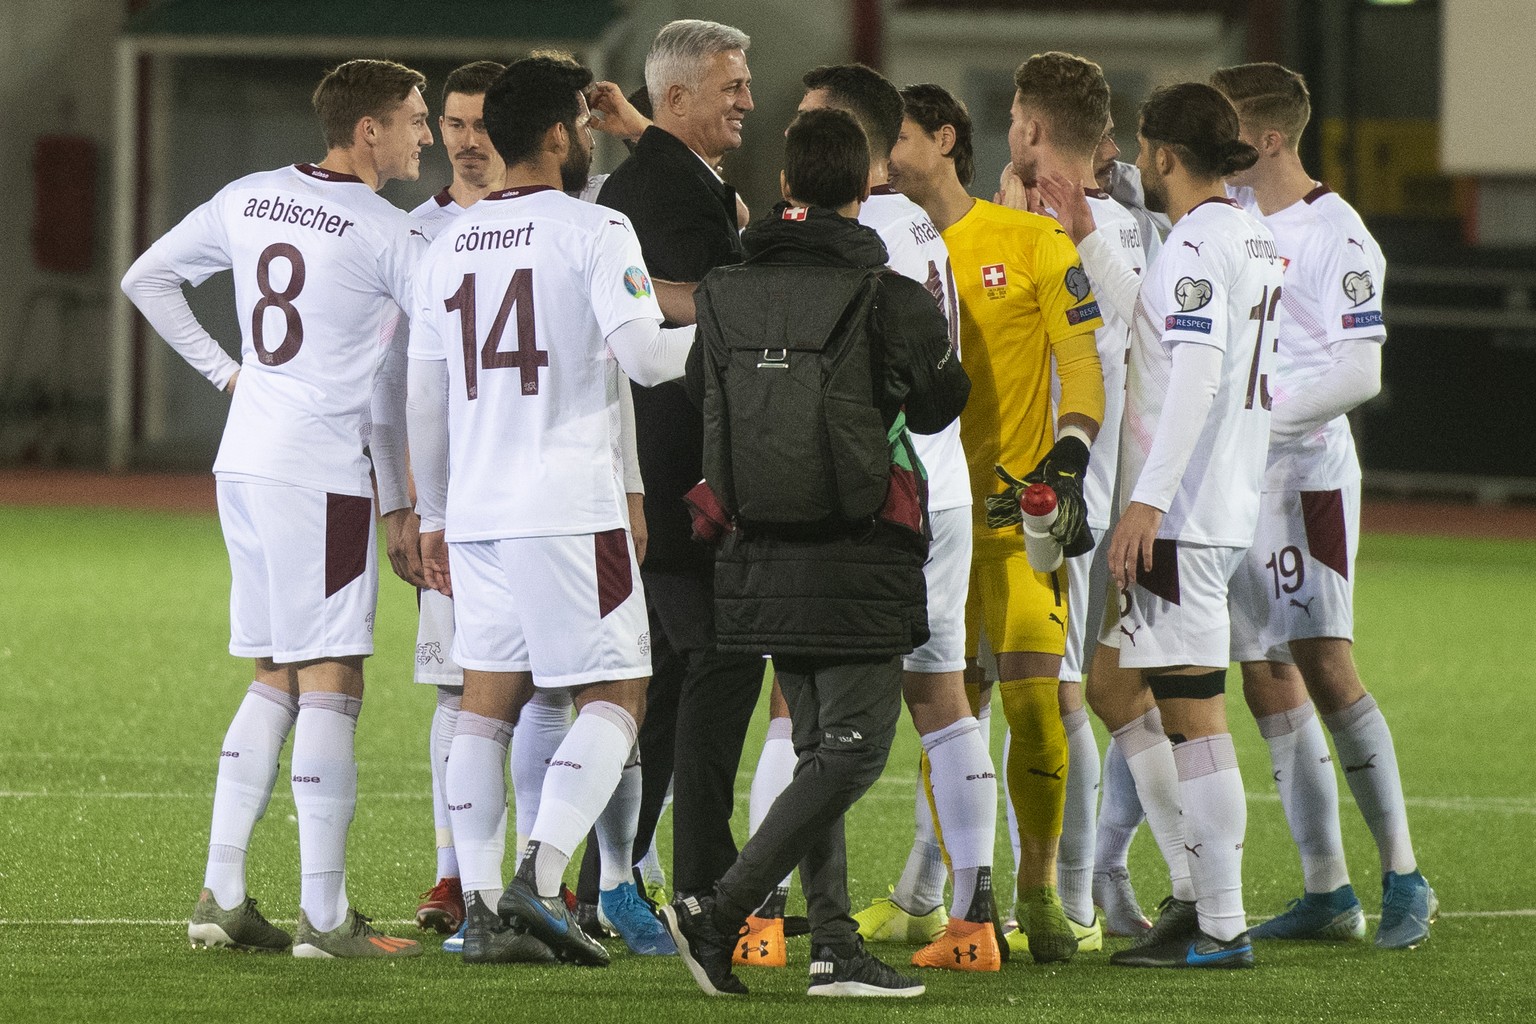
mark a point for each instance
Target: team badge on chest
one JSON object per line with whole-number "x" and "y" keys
{"x": 994, "y": 278}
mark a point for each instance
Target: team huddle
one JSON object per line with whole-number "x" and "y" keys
{"x": 1082, "y": 446}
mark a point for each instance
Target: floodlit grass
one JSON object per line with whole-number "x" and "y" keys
{"x": 116, "y": 689}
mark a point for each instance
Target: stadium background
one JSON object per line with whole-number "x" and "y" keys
{"x": 125, "y": 114}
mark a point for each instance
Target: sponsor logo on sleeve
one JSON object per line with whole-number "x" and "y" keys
{"x": 1192, "y": 294}
{"x": 637, "y": 283}
{"x": 1079, "y": 314}
{"x": 1369, "y": 318}
{"x": 1077, "y": 283}
{"x": 994, "y": 278}
{"x": 1184, "y": 322}
{"x": 1358, "y": 287}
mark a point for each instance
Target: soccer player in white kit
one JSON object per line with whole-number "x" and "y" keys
{"x": 1193, "y": 439}
{"x": 321, "y": 267}
{"x": 527, "y": 307}
{"x": 1059, "y": 118}
{"x": 1293, "y": 598}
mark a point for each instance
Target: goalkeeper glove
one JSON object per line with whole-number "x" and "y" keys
{"x": 1003, "y": 508}
{"x": 1063, "y": 470}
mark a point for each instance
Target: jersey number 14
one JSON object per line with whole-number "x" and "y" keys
{"x": 527, "y": 357}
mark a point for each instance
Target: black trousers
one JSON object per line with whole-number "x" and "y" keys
{"x": 698, "y": 706}
{"x": 843, "y": 717}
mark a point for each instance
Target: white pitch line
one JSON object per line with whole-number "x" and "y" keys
{"x": 131, "y": 922}
{"x": 1461, "y": 804}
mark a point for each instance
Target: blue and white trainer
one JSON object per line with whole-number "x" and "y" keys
{"x": 1335, "y": 915}
{"x": 626, "y": 912}
{"x": 455, "y": 942}
{"x": 1408, "y": 907}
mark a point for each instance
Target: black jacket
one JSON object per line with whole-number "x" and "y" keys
{"x": 857, "y": 591}
{"x": 685, "y": 218}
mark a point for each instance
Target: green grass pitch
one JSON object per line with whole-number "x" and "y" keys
{"x": 115, "y": 688}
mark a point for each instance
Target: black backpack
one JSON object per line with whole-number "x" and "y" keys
{"x": 792, "y": 432}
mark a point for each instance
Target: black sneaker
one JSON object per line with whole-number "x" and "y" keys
{"x": 488, "y": 941}
{"x": 1199, "y": 951}
{"x": 706, "y": 951}
{"x": 550, "y": 920}
{"x": 858, "y": 974}
{"x": 1177, "y": 924}
{"x": 586, "y": 916}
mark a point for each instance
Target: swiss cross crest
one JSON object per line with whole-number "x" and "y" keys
{"x": 994, "y": 278}
{"x": 796, "y": 213}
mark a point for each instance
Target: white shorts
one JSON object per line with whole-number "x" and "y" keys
{"x": 570, "y": 609}
{"x": 1297, "y": 581}
{"x": 434, "y": 641}
{"x": 304, "y": 579}
{"x": 1087, "y": 590}
{"x": 948, "y": 575}
{"x": 1177, "y": 613}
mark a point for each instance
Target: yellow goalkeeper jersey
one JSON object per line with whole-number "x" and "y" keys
{"x": 1023, "y": 298}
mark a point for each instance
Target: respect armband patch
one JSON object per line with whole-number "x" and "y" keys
{"x": 1184, "y": 322}
{"x": 1078, "y": 314}
{"x": 1370, "y": 318}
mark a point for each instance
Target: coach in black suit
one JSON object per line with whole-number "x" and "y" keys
{"x": 700, "y": 701}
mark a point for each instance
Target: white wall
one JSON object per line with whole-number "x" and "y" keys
{"x": 1489, "y": 87}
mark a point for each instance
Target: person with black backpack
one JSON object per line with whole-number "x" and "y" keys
{"x": 813, "y": 362}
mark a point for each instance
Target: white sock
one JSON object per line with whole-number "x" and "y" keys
{"x": 325, "y": 797}
{"x": 1149, "y": 757}
{"x": 1074, "y": 862}
{"x": 1120, "y": 813}
{"x": 965, "y": 795}
{"x": 921, "y": 886}
{"x": 617, "y": 825}
{"x": 541, "y": 728}
{"x": 444, "y": 717}
{"x": 1364, "y": 743}
{"x": 1014, "y": 843}
{"x": 1215, "y": 821}
{"x": 247, "y": 773}
{"x": 775, "y": 769}
{"x": 1309, "y": 794}
{"x": 477, "y": 801}
{"x": 581, "y": 779}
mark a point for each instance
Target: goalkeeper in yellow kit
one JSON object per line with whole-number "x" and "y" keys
{"x": 1025, "y": 304}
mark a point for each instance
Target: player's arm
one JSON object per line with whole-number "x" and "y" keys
{"x": 391, "y": 473}
{"x": 191, "y": 252}
{"x": 676, "y": 301}
{"x": 650, "y": 353}
{"x": 427, "y": 417}
{"x": 634, "y": 485}
{"x": 1354, "y": 377}
{"x": 1350, "y": 284}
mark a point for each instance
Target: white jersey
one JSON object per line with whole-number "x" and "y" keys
{"x": 322, "y": 265}
{"x": 518, "y": 296}
{"x": 1334, "y": 273}
{"x": 1216, "y": 282}
{"x": 437, "y": 213}
{"x": 916, "y": 250}
{"x": 1120, "y": 227}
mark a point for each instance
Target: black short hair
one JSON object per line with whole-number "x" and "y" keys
{"x": 528, "y": 99}
{"x": 932, "y": 107}
{"x": 867, "y": 95}
{"x": 1201, "y": 126}
{"x": 472, "y": 79}
{"x": 826, "y": 159}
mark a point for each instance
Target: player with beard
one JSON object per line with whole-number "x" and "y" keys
{"x": 1192, "y": 443}
{"x": 530, "y": 265}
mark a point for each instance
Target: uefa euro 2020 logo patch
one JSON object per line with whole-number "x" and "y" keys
{"x": 636, "y": 283}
